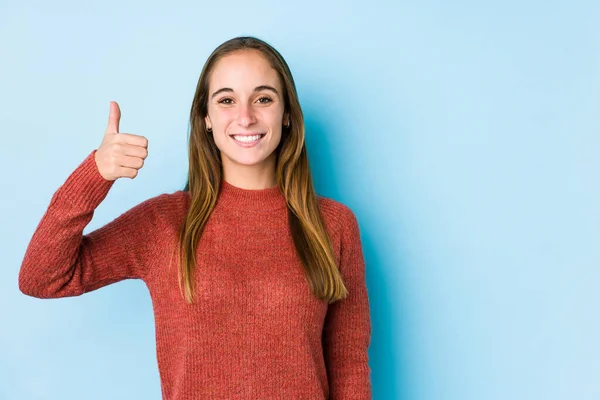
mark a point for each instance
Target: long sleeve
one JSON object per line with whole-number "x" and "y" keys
{"x": 60, "y": 261}
{"x": 347, "y": 329}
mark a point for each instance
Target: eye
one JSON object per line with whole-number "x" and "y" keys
{"x": 265, "y": 98}
{"x": 227, "y": 100}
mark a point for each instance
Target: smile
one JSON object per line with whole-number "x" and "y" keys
{"x": 248, "y": 140}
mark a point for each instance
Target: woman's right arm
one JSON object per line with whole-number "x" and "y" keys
{"x": 60, "y": 261}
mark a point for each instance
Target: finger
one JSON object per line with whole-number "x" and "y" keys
{"x": 130, "y": 162}
{"x": 135, "y": 140}
{"x": 133, "y": 150}
{"x": 128, "y": 172}
{"x": 114, "y": 118}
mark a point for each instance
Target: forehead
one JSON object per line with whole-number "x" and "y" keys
{"x": 243, "y": 70}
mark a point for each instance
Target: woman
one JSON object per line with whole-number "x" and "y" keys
{"x": 257, "y": 283}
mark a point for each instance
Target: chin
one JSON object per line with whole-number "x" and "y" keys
{"x": 249, "y": 159}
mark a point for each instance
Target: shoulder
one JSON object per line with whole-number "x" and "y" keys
{"x": 165, "y": 203}
{"x": 164, "y": 208}
{"x": 338, "y": 216}
{"x": 334, "y": 209}
{"x": 169, "y": 202}
{"x": 342, "y": 225}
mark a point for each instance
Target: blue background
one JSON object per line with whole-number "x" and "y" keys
{"x": 464, "y": 135}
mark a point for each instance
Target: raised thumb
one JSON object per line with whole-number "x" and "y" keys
{"x": 113, "y": 118}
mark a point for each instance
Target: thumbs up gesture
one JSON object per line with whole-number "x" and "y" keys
{"x": 120, "y": 154}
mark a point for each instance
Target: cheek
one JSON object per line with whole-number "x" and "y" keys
{"x": 272, "y": 117}
{"x": 223, "y": 116}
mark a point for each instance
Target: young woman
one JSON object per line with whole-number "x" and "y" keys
{"x": 257, "y": 283}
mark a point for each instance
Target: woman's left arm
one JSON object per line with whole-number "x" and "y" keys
{"x": 347, "y": 329}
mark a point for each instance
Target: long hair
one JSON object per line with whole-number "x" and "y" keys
{"x": 311, "y": 240}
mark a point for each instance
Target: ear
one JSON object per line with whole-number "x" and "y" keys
{"x": 286, "y": 119}
{"x": 207, "y": 122}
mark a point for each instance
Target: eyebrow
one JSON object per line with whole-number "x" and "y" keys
{"x": 256, "y": 89}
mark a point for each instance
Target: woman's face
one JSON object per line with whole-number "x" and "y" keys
{"x": 245, "y": 98}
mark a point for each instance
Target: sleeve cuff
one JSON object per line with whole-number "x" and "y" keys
{"x": 85, "y": 187}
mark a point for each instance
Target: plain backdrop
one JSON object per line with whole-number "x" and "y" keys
{"x": 464, "y": 135}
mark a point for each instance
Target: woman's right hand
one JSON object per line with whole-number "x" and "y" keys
{"x": 120, "y": 154}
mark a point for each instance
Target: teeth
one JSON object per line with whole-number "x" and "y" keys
{"x": 247, "y": 138}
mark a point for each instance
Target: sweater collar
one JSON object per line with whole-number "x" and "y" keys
{"x": 233, "y": 197}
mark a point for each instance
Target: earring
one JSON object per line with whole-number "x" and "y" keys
{"x": 208, "y": 129}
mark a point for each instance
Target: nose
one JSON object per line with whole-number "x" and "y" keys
{"x": 246, "y": 115}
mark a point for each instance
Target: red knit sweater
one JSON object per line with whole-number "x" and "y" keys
{"x": 255, "y": 331}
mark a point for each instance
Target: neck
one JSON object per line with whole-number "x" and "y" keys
{"x": 251, "y": 184}
{"x": 243, "y": 199}
{"x": 251, "y": 177}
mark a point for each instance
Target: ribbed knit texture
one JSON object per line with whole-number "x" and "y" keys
{"x": 255, "y": 330}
